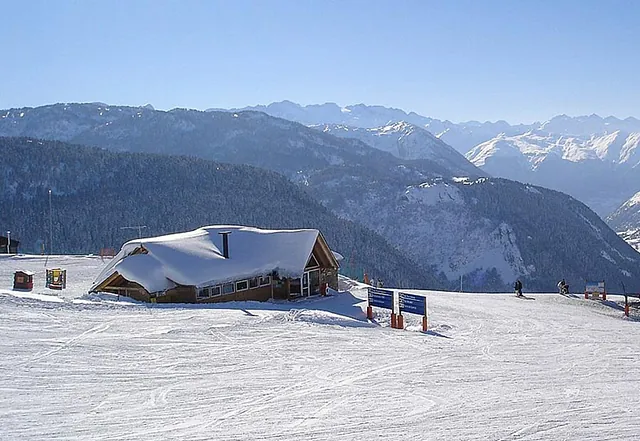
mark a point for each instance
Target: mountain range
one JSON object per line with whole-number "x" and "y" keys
{"x": 589, "y": 157}
{"x": 600, "y": 170}
{"x": 444, "y": 215}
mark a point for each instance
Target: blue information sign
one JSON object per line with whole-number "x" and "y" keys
{"x": 412, "y": 303}
{"x": 381, "y": 298}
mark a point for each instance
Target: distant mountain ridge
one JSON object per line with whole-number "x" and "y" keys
{"x": 461, "y": 136}
{"x": 588, "y": 157}
{"x": 487, "y": 230}
{"x": 600, "y": 170}
{"x": 406, "y": 141}
{"x": 240, "y": 138}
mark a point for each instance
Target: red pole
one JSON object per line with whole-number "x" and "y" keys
{"x": 369, "y": 312}
{"x": 394, "y": 320}
{"x": 424, "y": 324}
{"x": 400, "y": 321}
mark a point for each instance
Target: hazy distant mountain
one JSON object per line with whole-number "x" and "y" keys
{"x": 243, "y": 138}
{"x": 406, "y": 141}
{"x": 600, "y": 170}
{"x": 461, "y": 136}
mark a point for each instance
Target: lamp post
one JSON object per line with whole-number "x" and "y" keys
{"x": 50, "y": 224}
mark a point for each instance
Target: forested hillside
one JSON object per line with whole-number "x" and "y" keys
{"x": 490, "y": 231}
{"x": 96, "y": 192}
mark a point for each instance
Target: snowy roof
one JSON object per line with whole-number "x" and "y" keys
{"x": 27, "y": 273}
{"x": 195, "y": 258}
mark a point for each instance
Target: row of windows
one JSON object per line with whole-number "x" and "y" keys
{"x": 231, "y": 287}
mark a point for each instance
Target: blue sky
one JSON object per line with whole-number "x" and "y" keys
{"x": 516, "y": 60}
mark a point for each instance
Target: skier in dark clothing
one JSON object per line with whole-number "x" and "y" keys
{"x": 518, "y": 288}
{"x": 563, "y": 287}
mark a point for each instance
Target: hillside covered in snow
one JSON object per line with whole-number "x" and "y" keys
{"x": 491, "y": 367}
{"x": 406, "y": 141}
{"x": 489, "y": 231}
{"x": 600, "y": 170}
{"x": 626, "y": 220}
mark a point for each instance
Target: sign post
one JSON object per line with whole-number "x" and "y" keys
{"x": 595, "y": 289}
{"x": 381, "y": 298}
{"x": 626, "y": 306}
{"x": 414, "y": 304}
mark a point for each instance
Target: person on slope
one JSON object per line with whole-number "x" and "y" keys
{"x": 518, "y": 288}
{"x": 563, "y": 287}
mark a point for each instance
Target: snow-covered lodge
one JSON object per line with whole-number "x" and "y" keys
{"x": 222, "y": 263}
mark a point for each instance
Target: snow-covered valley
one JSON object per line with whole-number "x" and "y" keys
{"x": 77, "y": 367}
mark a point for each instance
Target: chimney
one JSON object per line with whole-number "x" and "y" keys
{"x": 225, "y": 243}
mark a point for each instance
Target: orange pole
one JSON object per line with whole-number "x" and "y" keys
{"x": 424, "y": 324}
{"x": 626, "y": 306}
{"x": 394, "y": 322}
{"x": 369, "y": 312}
{"x": 400, "y": 321}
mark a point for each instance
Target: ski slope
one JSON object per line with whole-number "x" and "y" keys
{"x": 493, "y": 367}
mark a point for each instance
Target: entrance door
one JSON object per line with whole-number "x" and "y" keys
{"x": 305, "y": 285}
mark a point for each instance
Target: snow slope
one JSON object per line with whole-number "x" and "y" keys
{"x": 493, "y": 367}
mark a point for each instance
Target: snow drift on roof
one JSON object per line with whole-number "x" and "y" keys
{"x": 195, "y": 258}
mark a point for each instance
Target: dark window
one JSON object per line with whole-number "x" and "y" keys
{"x": 228, "y": 288}
{"x": 216, "y": 290}
{"x": 253, "y": 283}
{"x": 312, "y": 263}
{"x": 265, "y": 280}
{"x": 242, "y": 285}
{"x": 203, "y": 293}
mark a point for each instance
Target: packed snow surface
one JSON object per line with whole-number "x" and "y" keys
{"x": 492, "y": 367}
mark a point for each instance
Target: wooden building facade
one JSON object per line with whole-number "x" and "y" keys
{"x": 13, "y": 246}
{"x": 319, "y": 273}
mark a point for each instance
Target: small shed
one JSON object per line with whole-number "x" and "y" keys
{"x": 23, "y": 280}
